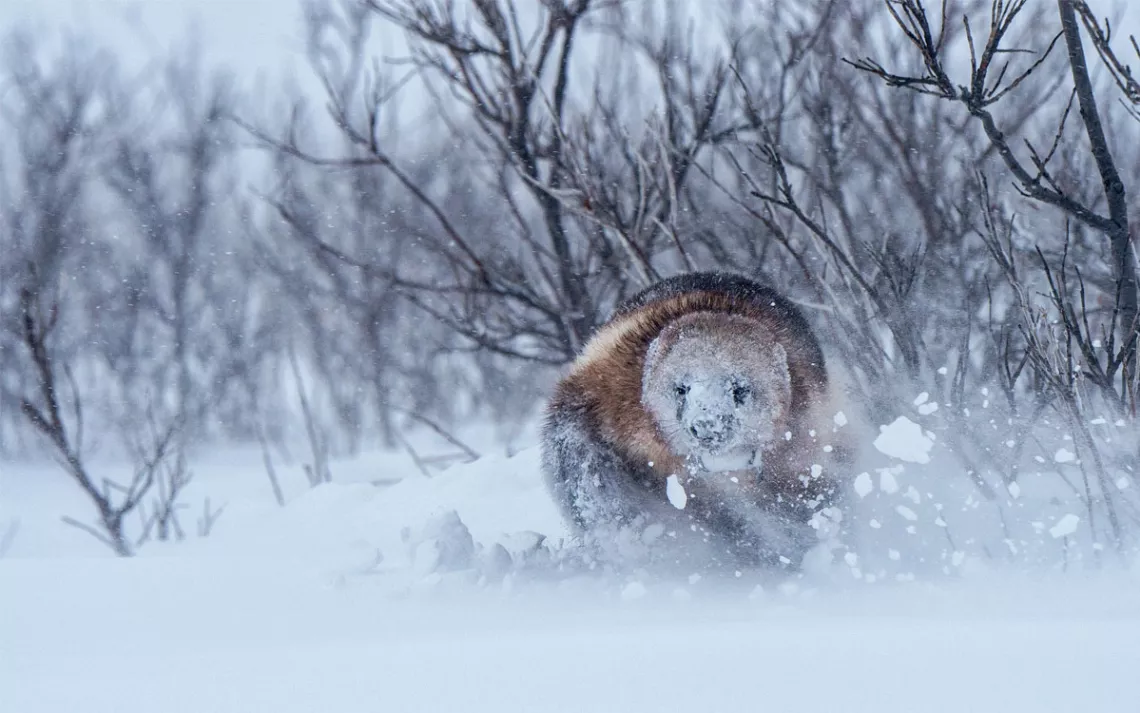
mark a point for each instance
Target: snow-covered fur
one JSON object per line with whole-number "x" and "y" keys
{"x": 697, "y": 427}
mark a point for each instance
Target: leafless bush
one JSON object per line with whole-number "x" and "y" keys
{"x": 555, "y": 208}
{"x": 44, "y": 409}
{"x": 1072, "y": 354}
{"x": 1035, "y": 178}
{"x": 81, "y": 335}
{"x": 481, "y": 192}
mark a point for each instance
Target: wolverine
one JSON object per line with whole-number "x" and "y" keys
{"x": 697, "y": 425}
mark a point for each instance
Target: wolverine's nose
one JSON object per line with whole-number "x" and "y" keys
{"x": 710, "y": 430}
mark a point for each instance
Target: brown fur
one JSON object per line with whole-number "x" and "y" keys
{"x": 607, "y": 461}
{"x": 607, "y": 377}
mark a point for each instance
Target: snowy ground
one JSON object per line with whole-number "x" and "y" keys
{"x": 322, "y": 606}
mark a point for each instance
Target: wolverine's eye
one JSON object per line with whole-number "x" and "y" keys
{"x": 741, "y": 393}
{"x": 680, "y": 390}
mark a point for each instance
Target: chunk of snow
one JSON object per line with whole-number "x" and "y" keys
{"x": 863, "y": 485}
{"x": 887, "y": 482}
{"x": 676, "y": 492}
{"x": 906, "y": 513}
{"x": 651, "y": 533}
{"x": 840, "y": 419}
{"x": 927, "y": 409}
{"x": 905, "y": 440}
{"x": 728, "y": 462}
{"x": 1067, "y": 525}
{"x": 1064, "y": 456}
{"x": 1014, "y": 490}
{"x": 851, "y": 559}
{"x": 913, "y": 495}
{"x": 826, "y": 522}
{"x": 921, "y": 399}
{"x": 816, "y": 470}
{"x": 1122, "y": 483}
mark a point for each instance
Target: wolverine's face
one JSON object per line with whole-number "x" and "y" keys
{"x": 717, "y": 388}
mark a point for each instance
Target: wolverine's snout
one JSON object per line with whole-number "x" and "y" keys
{"x": 711, "y": 431}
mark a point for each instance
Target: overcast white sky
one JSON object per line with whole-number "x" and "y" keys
{"x": 251, "y": 36}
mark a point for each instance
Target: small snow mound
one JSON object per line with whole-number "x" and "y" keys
{"x": 632, "y": 591}
{"x": 1067, "y": 525}
{"x": 523, "y": 544}
{"x": 444, "y": 544}
{"x": 905, "y": 440}
{"x": 1063, "y": 455}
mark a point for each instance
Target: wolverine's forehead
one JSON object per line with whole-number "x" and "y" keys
{"x": 735, "y": 340}
{"x": 640, "y": 338}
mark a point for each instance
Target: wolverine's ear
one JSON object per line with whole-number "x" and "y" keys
{"x": 778, "y": 363}
{"x": 652, "y": 355}
{"x": 779, "y": 359}
{"x": 649, "y": 366}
